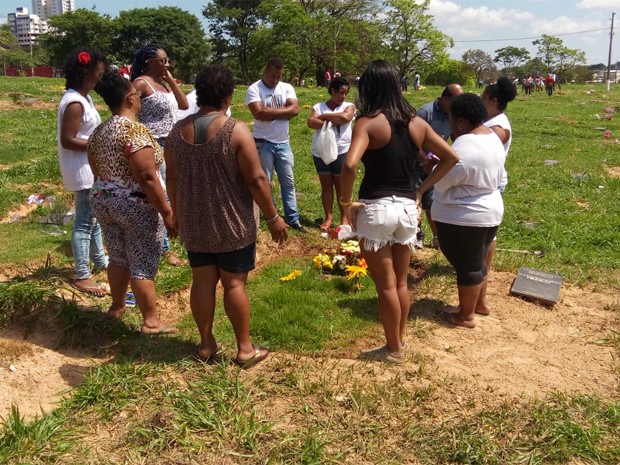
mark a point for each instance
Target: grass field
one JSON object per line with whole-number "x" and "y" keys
{"x": 150, "y": 404}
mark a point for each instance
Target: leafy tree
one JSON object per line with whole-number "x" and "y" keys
{"x": 411, "y": 40}
{"x": 448, "y": 71}
{"x": 480, "y": 63}
{"x": 312, "y": 35}
{"x": 231, "y": 24}
{"x": 511, "y": 57}
{"x": 77, "y": 28}
{"x": 19, "y": 58}
{"x": 534, "y": 66}
{"x": 581, "y": 74}
{"x": 556, "y": 57}
{"x": 175, "y": 30}
{"x": 7, "y": 38}
{"x": 8, "y": 42}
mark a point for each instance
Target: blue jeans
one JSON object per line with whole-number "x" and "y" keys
{"x": 280, "y": 157}
{"x": 162, "y": 173}
{"x": 86, "y": 237}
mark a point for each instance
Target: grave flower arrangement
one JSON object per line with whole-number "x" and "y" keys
{"x": 343, "y": 260}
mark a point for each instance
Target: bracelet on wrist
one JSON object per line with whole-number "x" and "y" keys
{"x": 272, "y": 220}
{"x": 344, "y": 203}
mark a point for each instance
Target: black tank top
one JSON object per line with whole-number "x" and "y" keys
{"x": 390, "y": 170}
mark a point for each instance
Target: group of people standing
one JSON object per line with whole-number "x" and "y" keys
{"x": 213, "y": 179}
{"x": 536, "y": 83}
{"x": 143, "y": 172}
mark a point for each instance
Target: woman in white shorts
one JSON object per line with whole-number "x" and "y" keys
{"x": 386, "y": 138}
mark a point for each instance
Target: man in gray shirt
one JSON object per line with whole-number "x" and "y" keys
{"x": 437, "y": 115}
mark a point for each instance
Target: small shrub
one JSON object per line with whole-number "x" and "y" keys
{"x": 20, "y": 301}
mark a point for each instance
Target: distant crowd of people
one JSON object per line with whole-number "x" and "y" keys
{"x": 536, "y": 83}
{"x": 166, "y": 164}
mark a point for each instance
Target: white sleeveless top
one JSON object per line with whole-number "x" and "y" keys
{"x": 74, "y": 167}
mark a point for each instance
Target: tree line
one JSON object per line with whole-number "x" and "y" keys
{"x": 310, "y": 35}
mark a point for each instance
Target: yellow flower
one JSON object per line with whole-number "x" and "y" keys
{"x": 292, "y": 275}
{"x": 322, "y": 261}
{"x": 318, "y": 260}
{"x": 356, "y": 272}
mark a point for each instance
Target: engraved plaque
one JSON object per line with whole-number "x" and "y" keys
{"x": 537, "y": 285}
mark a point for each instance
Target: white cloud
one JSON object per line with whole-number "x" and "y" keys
{"x": 609, "y": 5}
{"x": 563, "y": 25}
{"x": 507, "y": 22}
{"x": 460, "y": 22}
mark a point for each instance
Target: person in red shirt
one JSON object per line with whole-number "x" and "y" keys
{"x": 549, "y": 83}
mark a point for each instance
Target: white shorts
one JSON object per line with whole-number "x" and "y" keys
{"x": 387, "y": 221}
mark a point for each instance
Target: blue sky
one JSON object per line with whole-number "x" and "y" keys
{"x": 487, "y": 25}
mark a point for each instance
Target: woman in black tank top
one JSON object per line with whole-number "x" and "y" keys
{"x": 386, "y": 139}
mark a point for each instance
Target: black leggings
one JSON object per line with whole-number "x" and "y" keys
{"x": 465, "y": 248}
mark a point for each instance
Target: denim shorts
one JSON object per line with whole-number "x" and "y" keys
{"x": 334, "y": 168}
{"x": 236, "y": 261}
{"x": 387, "y": 221}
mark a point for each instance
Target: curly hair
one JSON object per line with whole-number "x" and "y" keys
{"x": 504, "y": 91}
{"x": 213, "y": 85}
{"x": 113, "y": 88}
{"x": 379, "y": 92}
{"x": 470, "y": 108}
{"x": 337, "y": 83}
{"x": 79, "y": 63}
{"x": 140, "y": 57}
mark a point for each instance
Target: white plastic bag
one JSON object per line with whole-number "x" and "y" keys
{"x": 326, "y": 144}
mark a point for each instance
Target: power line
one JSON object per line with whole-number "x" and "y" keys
{"x": 528, "y": 38}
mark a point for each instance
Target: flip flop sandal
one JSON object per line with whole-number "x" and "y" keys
{"x": 215, "y": 357}
{"x": 168, "y": 329}
{"x": 260, "y": 354}
{"x": 96, "y": 291}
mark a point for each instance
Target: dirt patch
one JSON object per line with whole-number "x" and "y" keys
{"x": 35, "y": 104}
{"x": 566, "y": 119}
{"x": 34, "y": 374}
{"x": 19, "y": 213}
{"x": 522, "y": 349}
{"x": 583, "y": 204}
{"x": 613, "y": 171}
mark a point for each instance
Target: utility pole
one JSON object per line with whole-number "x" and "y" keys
{"x": 611, "y": 38}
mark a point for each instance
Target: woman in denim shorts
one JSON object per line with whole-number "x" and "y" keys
{"x": 340, "y": 113}
{"x": 386, "y": 138}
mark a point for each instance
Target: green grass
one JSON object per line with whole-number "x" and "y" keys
{"x": 24, "y": 301}
{"x": 150, "y": 404}
{"x": 335, "y": 317}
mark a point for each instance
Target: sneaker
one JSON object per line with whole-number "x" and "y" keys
{"x": 435, "y": 243}
{"x": 298, "y": 227}
{"x": 382, "y": 354}
{"x": 419, "y": 240}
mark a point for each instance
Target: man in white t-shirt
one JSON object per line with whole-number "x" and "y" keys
{"x": 273, "y": 104}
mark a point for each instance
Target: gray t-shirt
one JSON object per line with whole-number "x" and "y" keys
{"x": 438, "y": 120}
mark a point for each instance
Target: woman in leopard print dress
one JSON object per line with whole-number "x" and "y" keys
{"x": 128, "y": 198}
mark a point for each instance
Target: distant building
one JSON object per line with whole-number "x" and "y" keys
{"x": 45, "y": 9}
{"x": 27, "y": 27}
